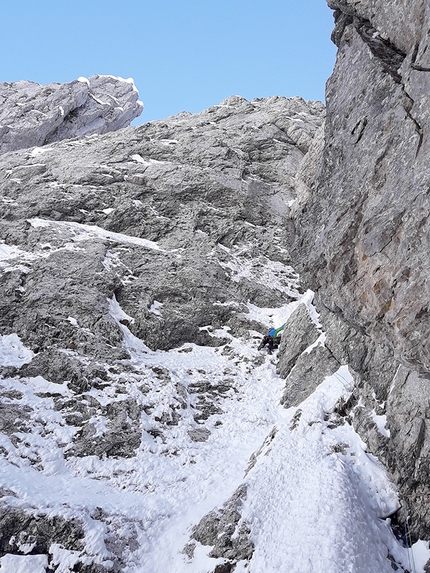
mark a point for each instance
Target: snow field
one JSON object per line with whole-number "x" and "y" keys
{"x": 309, "y": 507}
{"x": 168, "y": 486}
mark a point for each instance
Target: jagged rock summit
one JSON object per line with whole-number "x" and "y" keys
{"x": 34, "y": 115}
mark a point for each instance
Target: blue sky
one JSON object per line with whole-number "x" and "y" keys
{"x": 182, "y": 54}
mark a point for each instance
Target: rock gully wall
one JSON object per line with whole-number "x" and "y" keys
{"x": 362, "y": 225}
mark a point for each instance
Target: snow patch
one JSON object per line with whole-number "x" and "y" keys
{"x": 83, "y": 232}
{"x": 148, "y": 161}
{"x": 155, "y": 308}
{"x": 23, "y": 564}
{"x": 419, "y": 555}
{"x": 276, "y": 317}
{"x": 40, "y": 385}
{"x": 64, "y": 559}
{"x": 38, "y": 151}
{"x": 12, "y": 258}
{"x": 309, "y": 480}
{"x": 273, "y": 275}
{"x": 117, "y": 313}
{"x": 320, "y": 341}
{"x": 13, "y": 352}
{"x": 381, "y": 423}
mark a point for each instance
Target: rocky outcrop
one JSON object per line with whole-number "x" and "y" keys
{"x": 34, "y": 115}
{"x": 299, "y": 333}
{"x": 362, "y": 218}
{"x": 225, "y": 532}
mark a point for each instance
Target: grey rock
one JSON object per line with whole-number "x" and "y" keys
{"x": 22, "y": 533}
{"x": 299, "y": 333}
{"x": 400, "y": 23}
{"x": 361, "y": 220}
{"x": 308, "y": 172}
{"x": 34, "y": 115}
{"x": 200, "y": 186}
{"x": 199, "y": 434}
{"x": 208, "y": 397}
{"x": 347, "y": 342}
{"x": 408, "y": 457}
{"x": 376, "y": 147}
{"x": 13, "y": 420}
{"x": 225, "y": 531}
{"x": 18, "y": 528}
{"x": 58, "y": 367}
{"x": 121, "y": 437}
{"x": 308, "y": 372}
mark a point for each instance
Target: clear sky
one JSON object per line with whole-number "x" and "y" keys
{"x": 184, "y": 55}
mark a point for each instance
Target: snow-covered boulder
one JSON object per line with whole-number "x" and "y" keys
{"x": 33, "y": 114}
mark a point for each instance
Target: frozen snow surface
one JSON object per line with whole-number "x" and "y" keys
{"x": 13, "y": 352}
{"x": 316, "y": 501}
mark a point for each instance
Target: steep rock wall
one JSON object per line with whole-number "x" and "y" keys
{"x": 362, "y": 226}
{"x": 197, "y": 185}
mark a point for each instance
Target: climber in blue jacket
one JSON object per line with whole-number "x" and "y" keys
{"x": 272, "y": 337}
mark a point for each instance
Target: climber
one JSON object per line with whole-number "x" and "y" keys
{"x": 272, "y": 339}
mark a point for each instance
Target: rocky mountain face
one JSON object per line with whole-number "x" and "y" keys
{"x": 31, "y": 114}
{"x": 141, "y": 427}
{"x": 362, "y": 227}
{"x": 139, "y": 270}
{"x": 187, "y": 191}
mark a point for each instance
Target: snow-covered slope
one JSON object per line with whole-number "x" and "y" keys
{"x": 311, "y": 498}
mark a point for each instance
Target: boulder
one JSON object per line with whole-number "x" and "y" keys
{"x": 309, "y": 371}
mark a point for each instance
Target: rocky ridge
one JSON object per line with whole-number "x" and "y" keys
{"x": 33, "y": 114}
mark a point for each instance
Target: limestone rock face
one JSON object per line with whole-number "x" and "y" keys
{"x": 367, "y": 251}
{"x": 362, "y": 216}
{"x": 131, "y": 267}
{"x": 33, "y": 115}
{"x": 161, "y": 210}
